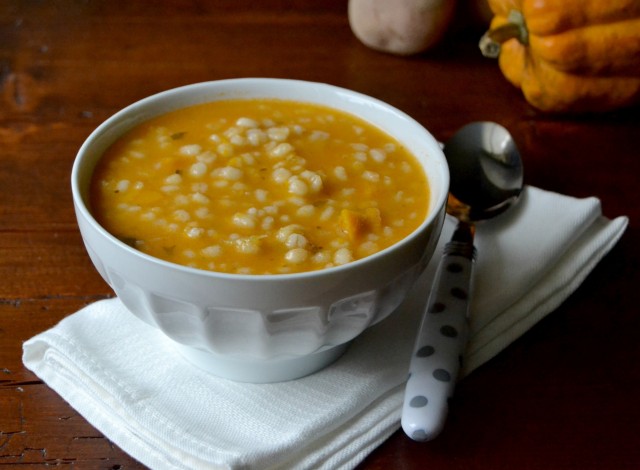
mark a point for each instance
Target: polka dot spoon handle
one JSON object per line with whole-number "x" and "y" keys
{"x": 440, "y": 343}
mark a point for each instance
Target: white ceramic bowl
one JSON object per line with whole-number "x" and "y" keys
{"x": 262, "y": 328}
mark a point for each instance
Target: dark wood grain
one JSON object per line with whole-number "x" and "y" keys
{"x": 562, "y": 396}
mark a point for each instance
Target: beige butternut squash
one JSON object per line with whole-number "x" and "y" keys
{"x": 402, "y": 27}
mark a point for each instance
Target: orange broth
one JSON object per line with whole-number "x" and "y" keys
{"x": 259, "y": 187}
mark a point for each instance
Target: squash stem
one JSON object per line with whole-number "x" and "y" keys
{"x": 515, "y": 28}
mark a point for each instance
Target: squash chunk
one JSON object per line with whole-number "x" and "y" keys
{"x": 355, "y": 224}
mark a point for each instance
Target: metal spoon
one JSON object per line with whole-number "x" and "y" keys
{"x": 486, "y": 179}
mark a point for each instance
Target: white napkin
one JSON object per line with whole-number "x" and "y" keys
{"x": 124, "y": 378}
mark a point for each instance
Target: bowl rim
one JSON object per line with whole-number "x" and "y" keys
{"x": 83, "y": 210}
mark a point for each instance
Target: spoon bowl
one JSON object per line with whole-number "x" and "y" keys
{"x": 486, "y": 171}
{"x": 486, "y": 178}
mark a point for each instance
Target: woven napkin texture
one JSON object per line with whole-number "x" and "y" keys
{"x": 125, "y": 378}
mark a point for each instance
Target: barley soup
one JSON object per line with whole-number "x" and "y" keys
{"x": 259, "y": 187}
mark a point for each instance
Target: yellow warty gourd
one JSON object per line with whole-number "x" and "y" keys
{"x": 568, "y": 55}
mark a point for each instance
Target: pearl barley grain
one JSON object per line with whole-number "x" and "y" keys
{"x": 342, "y": 256}
{"x": 296, "y": 255}
{"x": 190, "y": 150}
{"x": 198, "y": 169}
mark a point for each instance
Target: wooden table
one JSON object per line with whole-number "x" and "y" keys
{"x": 563, "y": 396}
